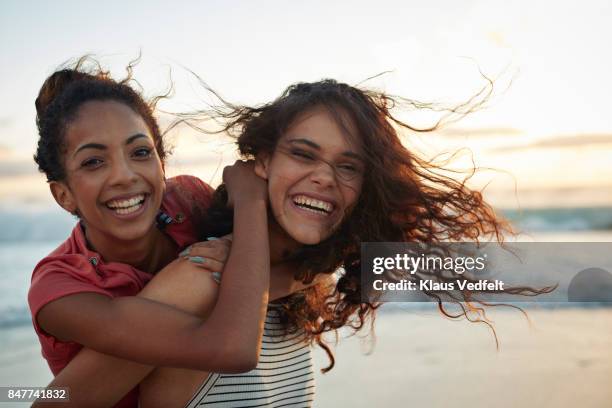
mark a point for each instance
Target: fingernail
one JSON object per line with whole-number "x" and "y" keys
{"x": 212, "y": 238}
{"x": 216, "y": 277}
{"x": 185, "y": 251}
{"x": 196, "y": 259}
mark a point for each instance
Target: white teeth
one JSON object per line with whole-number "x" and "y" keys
{"x": 314, "y": 211}
{"x": 317, "y": 206}
{"x": 128, "y": 210}
{"x": 126, "y": 204}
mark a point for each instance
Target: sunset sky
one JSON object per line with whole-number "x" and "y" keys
{"x": 547, "y": 126}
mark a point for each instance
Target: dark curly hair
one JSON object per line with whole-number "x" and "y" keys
{"x": 404, "y": 198}
{"x": 65, "y": 91}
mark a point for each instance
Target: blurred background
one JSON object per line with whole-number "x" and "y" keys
{"x": 543, "y": 141}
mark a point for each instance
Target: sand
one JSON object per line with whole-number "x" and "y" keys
{"x": 422, "y": 360}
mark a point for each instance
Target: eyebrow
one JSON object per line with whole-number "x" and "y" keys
{"x": 99, "y": 146}
{"x": 315, "y": 146}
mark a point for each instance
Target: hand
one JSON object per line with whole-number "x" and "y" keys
{"x": 210, "y": 255}
{"x": 242, "y": 184}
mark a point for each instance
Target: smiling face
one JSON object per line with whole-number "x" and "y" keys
{"x": 314, "y": 176}
{"x": 114, "y": 177}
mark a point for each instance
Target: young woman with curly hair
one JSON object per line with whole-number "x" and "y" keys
{"x": 337, "y": 175}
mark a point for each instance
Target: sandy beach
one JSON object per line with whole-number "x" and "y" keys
{"x": 424, "y": 360}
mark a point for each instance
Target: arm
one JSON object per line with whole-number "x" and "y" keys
{"x": 100, "y": 380}
{"x": 228, "y": 342}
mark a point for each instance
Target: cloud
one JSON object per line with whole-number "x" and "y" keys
{"x": 479, "y": 132}
{"x": 580, "y": 140}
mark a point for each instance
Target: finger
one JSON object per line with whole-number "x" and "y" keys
{"x": 210, "y": 264}
{"x": 211, "y": 244}
{"x": 219, "y": 253}
{"x": 215, "y": 275}
{"x": 206, "y": 244}
{"x": 227, "y": 237}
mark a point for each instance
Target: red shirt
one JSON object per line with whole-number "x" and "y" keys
{"x": 73, "y": 268}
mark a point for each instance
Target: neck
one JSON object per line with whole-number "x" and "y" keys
{"x": 282, "y": 281}
{"x": 142, "y": 253}
{"x": 281, "y": 244}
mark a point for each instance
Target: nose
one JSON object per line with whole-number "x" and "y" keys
{"x": 122, "y": 172}
{"x": 323, "y": 175}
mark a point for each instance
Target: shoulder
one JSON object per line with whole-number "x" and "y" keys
{"x": 65, "y": 271}
{"x": 72, "y": 256}
{"x": 189, "y": 186}
{"x": 188, "y": 193}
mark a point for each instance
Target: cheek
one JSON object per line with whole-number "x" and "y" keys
{"x": 276, "y": 196}
{"x": 160, "y": 177}
{"x": 84, "y": 187}
{"x": 153, "y": 172}
{"x": 281, "y": 178}
{"x": 351, "y": 194}
{"x": 154, "y": 168}
{"x": 279, "y": 187}
{"x": 86, "y": 194}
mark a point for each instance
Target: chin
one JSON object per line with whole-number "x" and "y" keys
{"x": 132, "y": 233}
{"x": 308, "y": 237}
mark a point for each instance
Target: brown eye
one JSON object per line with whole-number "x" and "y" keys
{"x": 143, "y": 153}
{"x": 302, "y": 154}
{"x": 91, "y": 163}
{"x": 347, "y": 168}
{"x": 347, "y": 171}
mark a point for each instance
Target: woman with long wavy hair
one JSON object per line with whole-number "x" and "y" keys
{"x": 338, "y": 175}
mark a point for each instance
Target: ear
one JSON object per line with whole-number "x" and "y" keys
{"x": 63, "y": 196}
{"x": 262, "y": 165}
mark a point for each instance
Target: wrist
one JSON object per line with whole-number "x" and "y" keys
{"x": 250, "y": 202}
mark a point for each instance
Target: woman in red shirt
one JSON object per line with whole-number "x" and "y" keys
{"x": 103, "y": 154}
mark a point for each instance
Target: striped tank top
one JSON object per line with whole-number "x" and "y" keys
{"x": 284, "y": 376}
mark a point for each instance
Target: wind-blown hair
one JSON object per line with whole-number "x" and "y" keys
{"x": 403, "y": 198}
{"x": 65, "y": 91}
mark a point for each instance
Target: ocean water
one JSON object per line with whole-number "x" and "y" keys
{"x": 561, "y": 219}
{"x": 29, "y": 234}
{"x": 26, "y": 237}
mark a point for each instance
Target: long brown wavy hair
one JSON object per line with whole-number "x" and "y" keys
{"x": 404, "y": 198}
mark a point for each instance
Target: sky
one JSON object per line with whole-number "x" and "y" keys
{"x": 546, "y": 130}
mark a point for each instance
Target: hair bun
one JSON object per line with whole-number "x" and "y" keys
{"x": 55, "y": 85}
